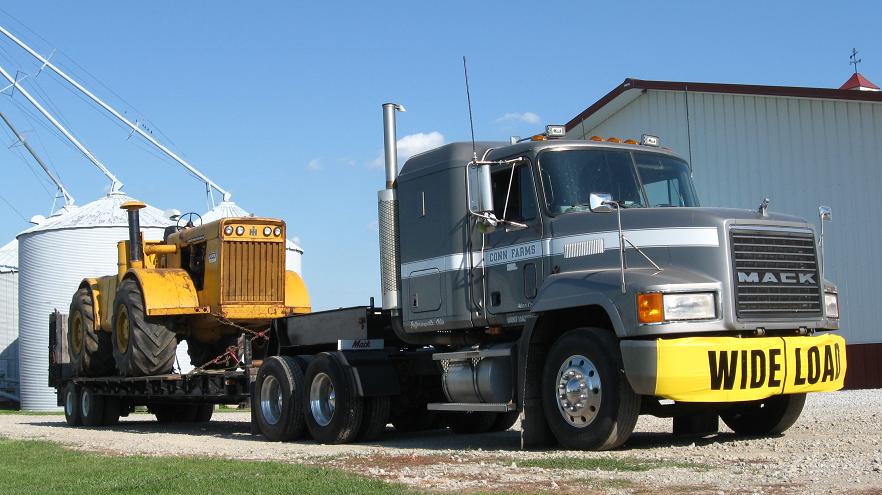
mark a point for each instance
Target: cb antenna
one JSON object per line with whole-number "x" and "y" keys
{"x": 465, "y": 70}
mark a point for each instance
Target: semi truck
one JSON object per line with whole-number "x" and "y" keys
{"x": 573, "y": 285}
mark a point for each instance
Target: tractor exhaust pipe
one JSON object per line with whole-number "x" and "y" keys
{"x": 390, "y": 268}
{"x": 133, "y": 207}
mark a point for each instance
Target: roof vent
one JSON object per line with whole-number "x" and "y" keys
{"x": 858, "y": 82}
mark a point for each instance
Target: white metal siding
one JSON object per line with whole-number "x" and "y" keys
{"x": 800, "y": 153}
{"x": 9, "y": 332}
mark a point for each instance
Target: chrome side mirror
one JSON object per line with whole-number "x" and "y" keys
{"x": 826, "y": 213}
{"x": 599, "y": 202}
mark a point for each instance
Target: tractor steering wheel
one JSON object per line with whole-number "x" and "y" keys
{"x": 189, "y": 217}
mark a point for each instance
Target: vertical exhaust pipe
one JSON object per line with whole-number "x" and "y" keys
{"x": 390, "y": 267}
{"x": 133, "y": 207}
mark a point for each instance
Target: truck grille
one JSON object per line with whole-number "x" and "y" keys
{"x": 776, "y": 274}
{"x": 253, "y": 272}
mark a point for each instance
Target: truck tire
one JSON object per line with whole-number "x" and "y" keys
{"x": 770, "y": 416}
{"x": 333, "y": 410}
{"x": 204, "y": 412}
{"x": 588, "y": 402}
{"x": 91, "y": 408}
{"x": 376, "y": 417}
{"x": 112, "y": 411}
{"x": 89, "y": 349}
{"x": 278, "y": 400}
{"x": 165, "y": 413}
{"x": 72, "y": 404}
{"x": 505, "y": 421}
{"x": 142, "y": 345}
{"x": 471, "y": 423}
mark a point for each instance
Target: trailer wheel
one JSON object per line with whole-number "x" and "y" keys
{"x": 471, "y": 423}
{"x": 333, "y": 411}
{"x": 165, "y": 413}
{"x": 278, "y": 399}
{"x": 89, "y": 349}
{"x": 72, "y": 404}
{"x": 112, "y": 411}
{"x": 141, "y": 345}
{"x": 376, "y": 417}
{"x": 204, "y": 412}
{"x": 505, "y": 421}
{"x": 91, "y": 408}
{"x": 588, "y": 402}
{"x": 770, "y": 416}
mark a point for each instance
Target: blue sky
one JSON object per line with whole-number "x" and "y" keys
{"x": 279, "y": 102}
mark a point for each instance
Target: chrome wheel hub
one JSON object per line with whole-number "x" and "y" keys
{"x": 85, "y": 403}
{"x": 70, "y": 402}
{"x": 271, "y": 401}
{"x": 578, "y": 391}
{"x": 322, "y": 399}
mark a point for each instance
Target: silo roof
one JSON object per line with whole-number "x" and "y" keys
{"x": 103, "y": 212}
{"x": 224, "y": 209}
{"x": 9, "y": 257}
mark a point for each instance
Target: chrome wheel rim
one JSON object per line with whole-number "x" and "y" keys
{"x": 271, "y": 400}
{"x": 70, "y": 402}
{"x": 85, "y": 403}
{"x": 322, "y": 399}
{"x": 578, "y": 391}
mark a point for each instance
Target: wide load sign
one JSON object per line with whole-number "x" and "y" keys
{"x": 729, "y": 369}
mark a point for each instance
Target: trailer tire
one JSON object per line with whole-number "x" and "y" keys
{"x": 333, "y": 411}
{"x": 91, "y": 408}
{"x": 505, "y": 421}
{"x": 603, "y": 416}
{"x": 72, "y": 404}
{"x": 471, "y": 423}
{"x": 112, "y": 411}
{"x": 142, "y": 345}
{"x": 165, "y": 413}
{"x": 204, "y": 412}
{"x": 376, "y": 417}
{"x": 89, "y": 349}
{"x": 278, "y": 400}
{"x": 770, "y": 416}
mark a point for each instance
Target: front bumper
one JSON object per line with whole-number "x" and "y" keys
{"x": 732, "y": 369}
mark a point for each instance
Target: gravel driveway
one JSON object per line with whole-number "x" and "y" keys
{"x": 835, "y": 447}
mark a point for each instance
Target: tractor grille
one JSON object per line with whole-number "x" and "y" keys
{"x": 776, "y": 274}
{"x": 253, "y": 272}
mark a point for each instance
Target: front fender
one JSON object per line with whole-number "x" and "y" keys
{"x": 167, "y": 291}
{"x": 579, "y": 289}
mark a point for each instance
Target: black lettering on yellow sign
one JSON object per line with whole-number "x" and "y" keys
{"x": 774, "y": 367}
{"x": 813, "y": 372}
{"x": 722, "y": 369}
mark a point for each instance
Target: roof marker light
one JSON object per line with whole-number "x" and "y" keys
{"x": 613, "y": 140}
{"x": 596, "y": 138}
{"x": 630, "y": 141}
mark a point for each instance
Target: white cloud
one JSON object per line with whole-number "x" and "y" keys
{"x": 410, "y": 145}
{"x": 314, "y": 165}
{"x": 374, "y": 225}
{"x": 526, "y": 117}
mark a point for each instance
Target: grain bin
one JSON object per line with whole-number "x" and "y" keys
{"x": 54, "y": 256}
{"x": 9, "y": 322}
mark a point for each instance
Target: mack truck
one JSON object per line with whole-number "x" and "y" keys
{"x": 571, "y": 284}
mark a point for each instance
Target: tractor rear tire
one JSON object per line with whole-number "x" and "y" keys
{"x": 770, "y": 416}
{"x": 279, "y": 399}
{"x": 89, "y": 349}
{"x": 142, "y": 345}
{"x": 72, "y": 404}
{"x": 334, "y": 412}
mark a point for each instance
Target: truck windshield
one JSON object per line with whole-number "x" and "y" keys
{"x": 570, "y": 176}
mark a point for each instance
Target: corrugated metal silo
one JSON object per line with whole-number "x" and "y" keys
{"x": 54, "y": 256}
{"x": 9, "y": 322}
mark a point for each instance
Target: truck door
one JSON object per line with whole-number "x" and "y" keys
{"x": 513, "y": 255}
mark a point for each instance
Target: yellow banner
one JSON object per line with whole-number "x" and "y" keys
{"x": 730, "y": 369}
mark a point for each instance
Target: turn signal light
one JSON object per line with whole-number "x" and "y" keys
{"x": 650, "y": 308}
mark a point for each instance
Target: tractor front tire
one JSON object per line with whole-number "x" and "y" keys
{"x": 89, "y": 349}
{"x": 202, "y": 353}
{"x": 142, "y": 345}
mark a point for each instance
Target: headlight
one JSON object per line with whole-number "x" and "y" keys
{"x": 228, "y": 230}
{"x": 831, "y": 305}
{"x": 656, "y": 307}
{"x": 698, "y": 306}
{"x": 267, "y": 231}
{"x": 240, "y": 230}
{"x": 277, "y": 231}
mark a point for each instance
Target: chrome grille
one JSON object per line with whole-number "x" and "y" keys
{"x": 253, "y": 272}
{"x": 776, "y": 274}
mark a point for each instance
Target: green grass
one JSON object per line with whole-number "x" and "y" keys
{"x": 31, "y": 413}
{"x": 29, "y": 467}
{"x": 603, "y": 464}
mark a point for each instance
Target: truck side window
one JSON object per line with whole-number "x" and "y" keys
{"x": 521, "y": 200}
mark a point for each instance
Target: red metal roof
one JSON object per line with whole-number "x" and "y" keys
{"x": 857, "y": 80}
{"x": 740, "y": 89}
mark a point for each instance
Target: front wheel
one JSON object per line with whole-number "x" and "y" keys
{"x": 770, "y": 416}
{"x": 588, "y": 402}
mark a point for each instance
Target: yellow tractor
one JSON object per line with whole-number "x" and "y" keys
{"x": 206, "y": 284}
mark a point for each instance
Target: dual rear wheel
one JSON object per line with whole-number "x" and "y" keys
{"x": 83, "y": 407}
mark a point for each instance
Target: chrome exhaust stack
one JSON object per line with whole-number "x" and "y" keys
{"x": 390, "y": 267}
